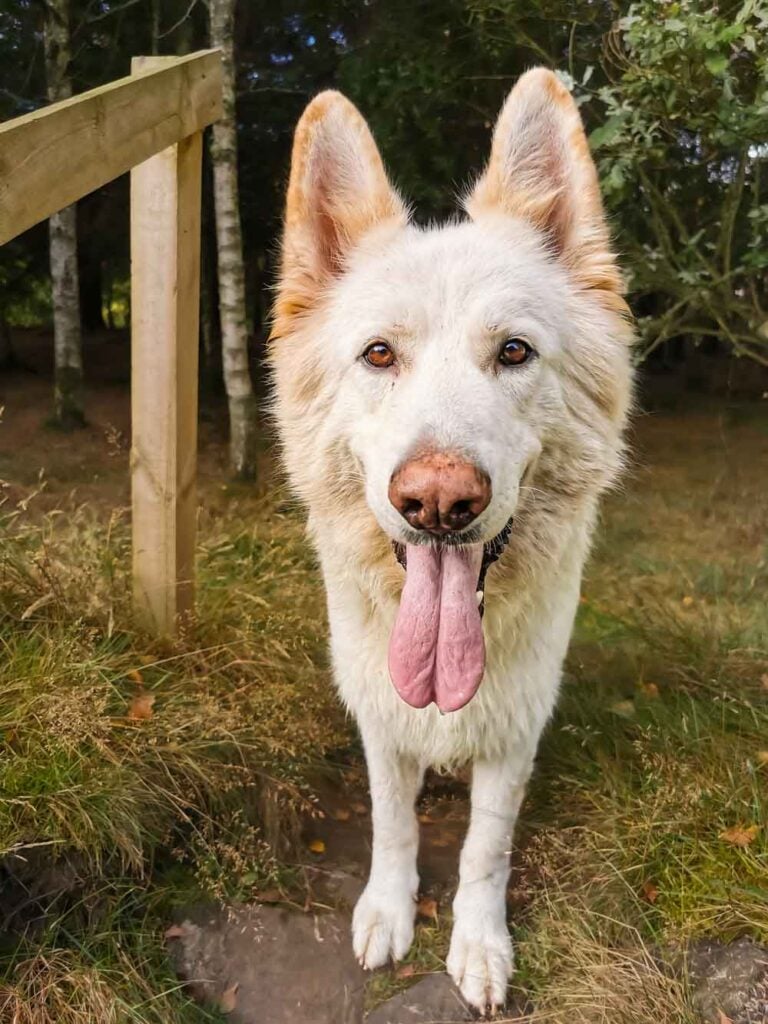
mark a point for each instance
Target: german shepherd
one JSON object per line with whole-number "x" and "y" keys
{"x": 451, "y": 402}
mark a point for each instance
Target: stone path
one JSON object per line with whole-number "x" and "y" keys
{"x": 729, "y": 982}
{"x": 271, "y": 965}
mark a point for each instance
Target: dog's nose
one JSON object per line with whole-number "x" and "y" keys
{"x": 439, "y": 491}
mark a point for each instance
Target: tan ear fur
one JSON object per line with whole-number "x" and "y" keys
{"x": 542, "y": 171}
{"x": 337, "y": 192}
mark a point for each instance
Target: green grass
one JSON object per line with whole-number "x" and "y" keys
{"x": 657, "y": 750}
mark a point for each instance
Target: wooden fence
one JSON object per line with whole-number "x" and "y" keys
{"x": 151, "y": 124}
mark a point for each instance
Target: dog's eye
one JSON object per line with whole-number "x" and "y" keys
{"x": 380, "y": 355}
{"x": 515, "y": 352}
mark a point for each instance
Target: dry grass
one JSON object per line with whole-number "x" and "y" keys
{"x": 655, "y": 751}
{"x": 238, "y": 702}
{"x": 54, "y": 987}
{"x": 172, "y": 769}
{"x": 593, "y": 982}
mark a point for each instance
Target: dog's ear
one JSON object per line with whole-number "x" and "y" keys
{"x": 541, "y": 170}
{"x": 338, "y": 191}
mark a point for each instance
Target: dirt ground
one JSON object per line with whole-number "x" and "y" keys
{"x": 90, "y": 464}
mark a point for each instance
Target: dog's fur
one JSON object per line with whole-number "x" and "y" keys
{"x": 532, "y": 260}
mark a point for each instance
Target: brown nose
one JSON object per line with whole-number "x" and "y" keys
{"x": 439, "y": 492}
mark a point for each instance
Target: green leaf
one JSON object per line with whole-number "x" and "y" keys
{"x": 607, "y": 132}
{"x": 716, "y": 64}
{"x": 615, "y": 179}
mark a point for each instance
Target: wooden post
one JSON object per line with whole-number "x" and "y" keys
{"x": 165, "y": 289}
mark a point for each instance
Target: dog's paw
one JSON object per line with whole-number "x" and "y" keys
{"x": 382, "y": 927}
{"x": 480, "y": 961}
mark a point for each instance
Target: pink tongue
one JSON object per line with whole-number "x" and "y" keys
{"x": 437, "y": 651}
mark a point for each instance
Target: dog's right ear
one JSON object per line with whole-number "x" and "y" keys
{"x": 338, "y": 191}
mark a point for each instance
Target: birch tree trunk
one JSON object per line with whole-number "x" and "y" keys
{"x": 68, "y": 379}
{"x": 234, "y": 336}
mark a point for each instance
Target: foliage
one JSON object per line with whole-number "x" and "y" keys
{"x": 675, "y": 97}
{"x": 682, "y": 153}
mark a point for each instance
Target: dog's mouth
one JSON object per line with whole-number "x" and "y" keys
{"x": 437, "y": 649}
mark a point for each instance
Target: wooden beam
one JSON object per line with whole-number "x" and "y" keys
{"x": 56, "y": 155}
{"x": 165, "y": 289}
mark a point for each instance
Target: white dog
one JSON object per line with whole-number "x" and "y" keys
{"x": 448, "y": 398}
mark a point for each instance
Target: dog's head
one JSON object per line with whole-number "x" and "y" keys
{"x": 429, "y": 371}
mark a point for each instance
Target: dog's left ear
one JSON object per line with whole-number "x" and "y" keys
{"x": 541, "y": 170}
{"x": 338, "y": 192}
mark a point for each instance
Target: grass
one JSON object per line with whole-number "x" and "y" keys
{"x": 115, "y": 806}
{"x": 134, "y": 774}
{"x": 647, "y": 825}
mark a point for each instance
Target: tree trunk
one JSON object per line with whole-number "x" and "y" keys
{"x": 234, "y": 336}
{"x": 68, "y": 385}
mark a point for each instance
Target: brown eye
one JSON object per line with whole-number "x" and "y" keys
{"x": 515, "y": 352}
{"x": 379, "y": 355}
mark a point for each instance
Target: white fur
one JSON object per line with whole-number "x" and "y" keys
{"x": 547, "y": 433}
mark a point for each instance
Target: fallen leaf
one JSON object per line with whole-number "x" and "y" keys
{"x": 342, "y": 814}
{"x": 176, "y": 931}
{"x": 650, "y": 892}
{"x": 687, "y": 601}
{"x": 722, "y": 1019}
{"x": 426, "y": 820}
{"x": 650, "y": 689}
{"x": 405, "y": 971}
{"x": 427, "y": 907}
{"x": 141, "y": 706}
{"x": 228, "y": 998}
{"x": 359, "y": 808}
{"x": 762, "y": 758}
{"x": 737, "y": 836}
{"x": 317, "y": 846}
{"x": 136, "y": 676}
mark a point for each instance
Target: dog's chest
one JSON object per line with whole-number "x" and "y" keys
{"x": 525, "y": 647}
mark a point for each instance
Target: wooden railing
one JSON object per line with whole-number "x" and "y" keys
{"x": 149, "y": 123}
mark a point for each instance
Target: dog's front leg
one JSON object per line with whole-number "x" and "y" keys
{"x": 480, "y": 956}
{"x": 382, "y": 925}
